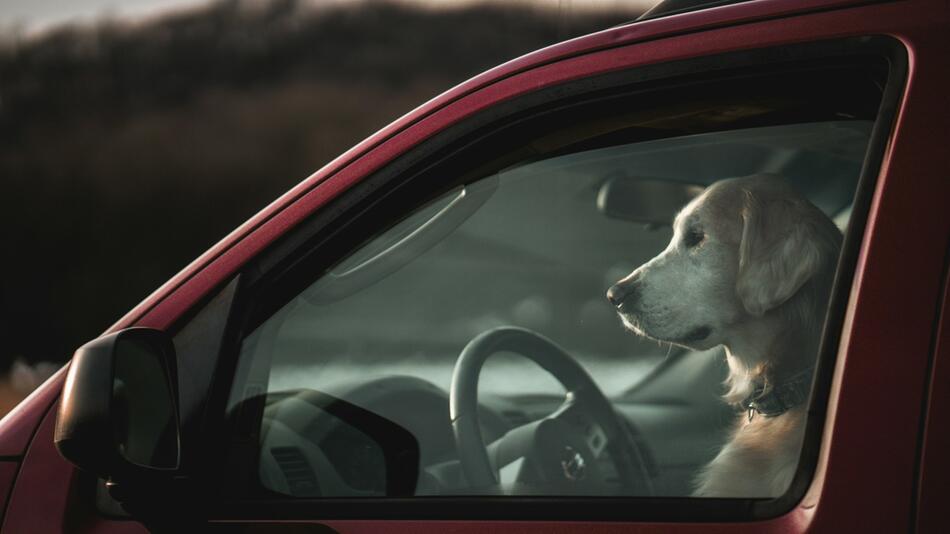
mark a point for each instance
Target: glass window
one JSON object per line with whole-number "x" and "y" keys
{"x": 563, "y": 325}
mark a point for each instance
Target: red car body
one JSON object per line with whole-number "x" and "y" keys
{"x": 883, "y": 465}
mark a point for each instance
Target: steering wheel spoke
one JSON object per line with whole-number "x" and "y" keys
{"x": 516, "y": 443}
{"x": 576, "y": 414}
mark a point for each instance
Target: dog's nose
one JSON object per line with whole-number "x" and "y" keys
{"x": 622, "y": 291}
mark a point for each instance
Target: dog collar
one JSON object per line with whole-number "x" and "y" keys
{"x": 775, "y": 399}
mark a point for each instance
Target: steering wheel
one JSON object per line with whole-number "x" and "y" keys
{"x": 562, "y": 449}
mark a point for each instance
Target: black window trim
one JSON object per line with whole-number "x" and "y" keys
{"x": 310, "y": 235}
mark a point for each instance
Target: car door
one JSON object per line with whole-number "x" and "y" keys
{"x": 933, "y": 470}
{"x": 750, "y": 66}
{"x": 385, "y": 281}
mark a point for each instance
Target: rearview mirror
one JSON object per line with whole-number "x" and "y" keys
{"x": 649, "y": 201}
{"x": 118, "y": 415}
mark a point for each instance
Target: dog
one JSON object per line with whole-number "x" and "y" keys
{"x": 750, "y": 267}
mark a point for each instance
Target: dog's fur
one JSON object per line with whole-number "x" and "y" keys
{"x": 749, "y": 267}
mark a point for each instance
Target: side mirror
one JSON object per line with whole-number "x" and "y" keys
{"x": 118, "y": 415}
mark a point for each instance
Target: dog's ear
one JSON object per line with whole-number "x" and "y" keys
{"x": 778, "y": 253}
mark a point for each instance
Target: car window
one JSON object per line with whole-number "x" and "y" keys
{"x": 502, "y": 337}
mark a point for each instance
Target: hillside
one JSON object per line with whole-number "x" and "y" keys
{"x": 126, "y": 151}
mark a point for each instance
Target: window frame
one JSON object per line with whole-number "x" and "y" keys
{"x": 288, "y": 254}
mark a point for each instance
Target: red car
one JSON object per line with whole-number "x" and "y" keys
{"x": 325, "y": 368}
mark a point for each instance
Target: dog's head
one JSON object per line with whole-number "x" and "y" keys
{"x": 740, "y": 252}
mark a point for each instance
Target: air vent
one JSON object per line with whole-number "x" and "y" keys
{"x": 297, "y": 471}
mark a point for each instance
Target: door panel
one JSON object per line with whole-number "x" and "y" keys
{"x": 46, "y": 497}
{"x": 935, "y": 460}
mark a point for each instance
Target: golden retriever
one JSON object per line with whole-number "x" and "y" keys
{"x": 750, "y": 267}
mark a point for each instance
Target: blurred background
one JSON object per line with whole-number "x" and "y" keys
{"x": 134, "y": 134}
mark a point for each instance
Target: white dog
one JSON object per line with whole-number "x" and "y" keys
{"x": 750, "y": 267}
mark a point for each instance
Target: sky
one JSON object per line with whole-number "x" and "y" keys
{"x": 30, "y": 16}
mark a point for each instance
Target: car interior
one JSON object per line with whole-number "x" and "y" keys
{"x": 469, "y": 349}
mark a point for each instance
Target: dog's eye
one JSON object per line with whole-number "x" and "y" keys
{"x": 693, "y": 237}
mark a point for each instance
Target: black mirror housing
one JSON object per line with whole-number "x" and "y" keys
{"x": 118, "y": 414}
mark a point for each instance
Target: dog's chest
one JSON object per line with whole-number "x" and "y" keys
{"x": 758, "y": 461}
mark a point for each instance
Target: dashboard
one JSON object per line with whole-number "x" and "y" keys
{"x": 308, "y": 449}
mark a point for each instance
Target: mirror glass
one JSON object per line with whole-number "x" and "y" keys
{"x": 145, "y": 422}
